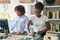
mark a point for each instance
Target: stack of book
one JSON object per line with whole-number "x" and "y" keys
{"x": 53, "y": 15}
{"x": 55, "y": 27}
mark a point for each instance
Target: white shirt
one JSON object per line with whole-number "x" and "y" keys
{"x": 39, "y": 23}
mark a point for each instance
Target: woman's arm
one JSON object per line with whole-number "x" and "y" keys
{"x": 28, "y": 30}
{"x": 45, "y": 30}
{"x": 27, "y": 26}
{"x": 48, "y": 25}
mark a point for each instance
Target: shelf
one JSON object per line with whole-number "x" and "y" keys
{"x": 53, "y": 32}
{"x": 51, "y": 6}
{"x": 54, "y": 19}
{"x": 28, "y": 3}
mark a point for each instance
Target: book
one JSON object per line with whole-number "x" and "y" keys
{"x": 57, "y": 14}
{"x": 57, "y": 27}
{"x": 54, "y": 28}
{"x": 49, "y": 15}
{"x": 51, "y": 26}
{"x": 54, "y": 15}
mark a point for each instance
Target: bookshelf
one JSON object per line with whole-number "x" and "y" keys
{"x": 52, "y": 6}
{"x": 55, "y": 19}
{"x": 53, "y": 32}
{"x": 53, "y": 13}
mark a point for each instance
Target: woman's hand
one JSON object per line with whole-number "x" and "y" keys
{"x": 39, "y": 32}
{"x": 31, "y": 34}
{"x": 13, "y": 32}
{"x": 20, "y": 33}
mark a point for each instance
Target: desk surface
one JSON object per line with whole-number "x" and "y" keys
{"x": 16, "y": 37}
{"x": 19, "y": 37}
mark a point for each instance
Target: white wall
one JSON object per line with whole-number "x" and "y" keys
{"x": 10, "y": 8}
{"x": 41, "y": 1}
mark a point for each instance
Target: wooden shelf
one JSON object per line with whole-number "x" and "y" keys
{"x": 27, "y": 1}
{"x": 52, "y": 11}
{"x": 52, "y": 6}
{"x": 53, "y": 32}
{"x": 54, "y": 19}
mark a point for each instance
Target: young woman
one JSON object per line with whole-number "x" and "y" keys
{"x": 40, "y": 22}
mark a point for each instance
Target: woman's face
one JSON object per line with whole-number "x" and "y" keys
{"x": 18, "y": 12}
{"x": 37, "y": 12}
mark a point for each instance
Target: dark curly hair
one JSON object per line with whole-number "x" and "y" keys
{"x": 39, "y": 5}
{"x": 20, "y": 8}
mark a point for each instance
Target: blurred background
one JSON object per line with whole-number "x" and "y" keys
{"x": 51, "y": 10}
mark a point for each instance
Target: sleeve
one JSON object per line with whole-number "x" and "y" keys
{"x": 25, "y": 22}
{"x": 12, "y": 26}
{"x": 46, "y": 19}
{"x": 23, "y": 25}
{"x": 31, "y": 18}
